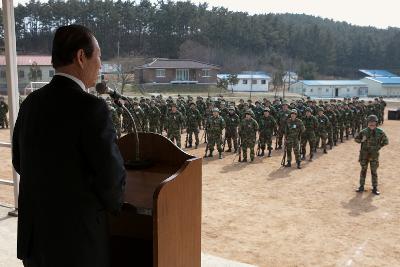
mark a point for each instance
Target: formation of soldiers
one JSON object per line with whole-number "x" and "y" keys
{"x": 3, "y": 113}
{"x": 301, "y": 126}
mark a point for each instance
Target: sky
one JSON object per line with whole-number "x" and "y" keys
{"x": 377, "y": 13}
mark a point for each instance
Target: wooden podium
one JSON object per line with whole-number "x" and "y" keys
{"x": 160, "y": 223}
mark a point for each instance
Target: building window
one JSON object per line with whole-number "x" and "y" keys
{"x": 254, "y": 81}
{"x": 311, "y": 90}
{"x": 206, "y": 73}
{"x": 21, "y": 74}
{"x": 51, "y": 73}
{"x": 3, "y": 74}
{"x": 244, "y": 81}
{"x": 327, "y": 90}
{"x": 263, "y": 82}
{"x": 160, "y": 73}
{"x": 182, "y": 74}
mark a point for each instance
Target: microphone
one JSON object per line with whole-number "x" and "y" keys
{"x": 102, "y": 88}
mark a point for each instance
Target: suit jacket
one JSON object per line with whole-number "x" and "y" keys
{"x": 72, "y": 173}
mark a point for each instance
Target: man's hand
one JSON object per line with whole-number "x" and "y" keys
{"x": 363, "y": 139}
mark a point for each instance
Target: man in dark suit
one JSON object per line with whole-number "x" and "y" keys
{"x": 71, "y": 169}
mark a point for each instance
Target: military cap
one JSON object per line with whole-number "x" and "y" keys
{"x": 308, "y": 109}
{"x": 215, "y": 110}
{"x": 267, "y": 110}
{"x": 372, "y": 118}
{"x": 293, "y": 111}
{"x": 231, "y": 108}
{"x": 249, "y": 112}
{"x": 320, "y": 109}
{"x": 284, "y": 102}
{"x": 192, "y": 103}
{"x": 173, "y": 104}
{"x": 135, "y": 103}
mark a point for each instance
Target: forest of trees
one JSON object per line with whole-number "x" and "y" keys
{"x": 234, "y": 40}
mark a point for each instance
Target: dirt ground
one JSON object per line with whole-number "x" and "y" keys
{"x": 262, "y": 214}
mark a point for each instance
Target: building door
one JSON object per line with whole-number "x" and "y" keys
{"x": 182, "y": 74}
{"x": 336, "y": 92}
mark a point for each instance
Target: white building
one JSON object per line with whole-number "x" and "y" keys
{"x": 43, "y": 67}
{"x": 330, "y": 88}
{"x": 249, "y": 81}
{"x": 383, "y": 86}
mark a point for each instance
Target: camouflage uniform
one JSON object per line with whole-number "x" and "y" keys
{"x": 3, "y": 114}
{"x": 215, "y": 126}
{"x": 310, "y": 126}
{"x": 282, "y": 119}
{"x": 193, "y": 123}
{"x": 247, "y": 132}
{"x": 332, "y": 134}
{"x": 231, "y": 131}
{"x": 267, "y": 126}
{"x": 154, "y": 118}
{"x": 324, "y": 126}
{"x": 174, "y": 124}
{"x": 371, "y": 142}
{"x": 293, "y": 130}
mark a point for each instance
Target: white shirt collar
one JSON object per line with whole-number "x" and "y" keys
{"x": 79, "y": 82}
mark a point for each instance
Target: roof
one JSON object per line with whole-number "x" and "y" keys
{"x": 163, "y": 63}
{"x": 333, "y": 82}
{"x": 386, "y": 80}
{"x": 378, "y": 73}
{"x": 27, "y": 60}
{"x": 246, "y": 76}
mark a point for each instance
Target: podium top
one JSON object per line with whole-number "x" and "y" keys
{"x": 166, "y": 159}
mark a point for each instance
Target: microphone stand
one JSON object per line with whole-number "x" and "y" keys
{"x": 137, "y": 163}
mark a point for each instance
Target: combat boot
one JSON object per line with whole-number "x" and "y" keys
{"x": 229, "y": 150}
{"x": 220, "y": 155}
{"x": 279, "y": 147}
{"x": 303, "y": 156}
{"x": 325, "y": 152}
{"x": 196, "y": 146}
{"x": 311, "y": 157}
{"x": 189, "y": 146}
{"x": 251, "y": 159}
{"x": 360, "y": 189}
{"x": 262, "y": 153}
{"x": 210, "y": 155}
{"x": 244, "y": 160}
{"x": 298, "y": 164}
{"x": 235, "y": 150}
{"x": 334, "y": 143}
{"x": 269, "y": 153}
{"x": 376, "y": 191}
{"x": 289, "y": 164}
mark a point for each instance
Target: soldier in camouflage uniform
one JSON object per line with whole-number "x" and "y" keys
{"x": 332, "y": 134}
{"x": 294, "y": 128}
{"x": 139, "y": 117}
{"x": 283, "y": 116}
{"x": 347, "y": 120}
{"x": 372, "y": 139}
{"x": 231, "y": 130}
{"x": 247, "y": 131}
{"x": 215, "y": 126}
{"x": 154, "y": 118}
{"x": 3, "y": 113}
{"x": 174, "y": 124}
{"x": 267, "y": 127}
{"x": 115, "y": 116}
{"x": 324, "y": 126}
{"x": 193, "y": 123}
{"x": 311, "y": 126}
{"x": 382, "y": 110}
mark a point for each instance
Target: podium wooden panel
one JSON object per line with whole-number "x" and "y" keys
{"x": 160, "y": 223}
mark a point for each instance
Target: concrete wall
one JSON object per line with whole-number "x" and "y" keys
{"x": 149, "y": 76}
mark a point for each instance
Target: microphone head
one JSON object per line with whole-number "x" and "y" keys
{"x": 101, "y": 88}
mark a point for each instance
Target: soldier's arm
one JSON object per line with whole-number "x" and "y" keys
{"x": 359, "y": 137}
{"x": 384, "y": 140}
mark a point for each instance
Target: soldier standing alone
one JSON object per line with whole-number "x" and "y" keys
{"x": 215, "y": 125}
{"x": 247, "y": 132}
{"x": 372, "y": 139}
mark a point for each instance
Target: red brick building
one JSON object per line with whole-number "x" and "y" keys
{"x": 176, "y": 71}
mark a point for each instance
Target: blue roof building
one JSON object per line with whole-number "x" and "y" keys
{"x": 330, "y": 88}
{"x": 383, "y": 86}
{"x": 377, "y": 73}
